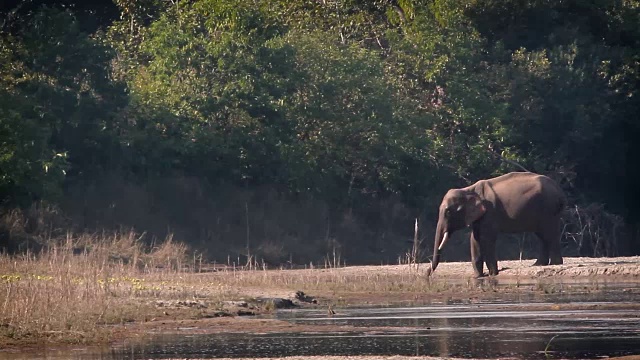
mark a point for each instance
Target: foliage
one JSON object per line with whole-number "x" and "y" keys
{"x": 58, "y": 106}
{"x": 351, "y": 103}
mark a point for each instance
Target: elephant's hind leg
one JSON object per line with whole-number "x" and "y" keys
{"x": 554, "y": 236}
{"x": 543, "y": 254}
{"x": 550, "y": 252}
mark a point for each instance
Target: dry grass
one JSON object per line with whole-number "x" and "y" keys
{"x": 73, "y": 286}
{"x": 76, "y": 285}
{"x": 333, "y": 280}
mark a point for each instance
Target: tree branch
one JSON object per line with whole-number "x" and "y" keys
{"x": 510, "y": 162}
{"x": 398, "y": 9}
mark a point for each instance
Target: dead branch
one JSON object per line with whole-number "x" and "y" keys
{"x": 510, "y": 162}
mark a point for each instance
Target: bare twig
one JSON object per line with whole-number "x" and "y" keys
{"x": 246, "y": 209}
{"x": 593, "y": 228}
{"x": 546, "y": 349}
{"x": 415, "y": 253}
{"x": 399, "y": 10}
{"x": 508, "y": 161}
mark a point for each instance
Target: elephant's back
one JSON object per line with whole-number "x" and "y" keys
{"x": 528, "y": 182}
{"x": 518, "y": 184}
{"x": 524, "y": 197}
{"x": 519, "y": 176}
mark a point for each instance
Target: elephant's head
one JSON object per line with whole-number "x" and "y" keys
{"x": 459, "y": 209}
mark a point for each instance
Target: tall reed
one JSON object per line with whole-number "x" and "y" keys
{"x": 75, "y": 284}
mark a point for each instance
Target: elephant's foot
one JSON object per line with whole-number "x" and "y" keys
{"x": 541, "y": 263}
{"x": 493, "y": 267}
{"x": 477, "y": 267}
{"x": 556, "y": 261}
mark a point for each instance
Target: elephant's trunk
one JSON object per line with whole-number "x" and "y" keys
{"x": 440, "y": 239}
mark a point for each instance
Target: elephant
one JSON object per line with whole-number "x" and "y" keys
{"x": 511, "y": 203}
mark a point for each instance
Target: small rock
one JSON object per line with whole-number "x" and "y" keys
{"x": 192, "y": 303}
{"x": 301, "y": 296}
{"x": 279, "y": 303}
{"x": 180, "y": 303}
{"x": 236, "y": 303}
{"x": 245, "y": 313}
{"x": 218, "y": 314}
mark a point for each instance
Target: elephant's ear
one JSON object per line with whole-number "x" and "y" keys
{"x": 475, "y": 208}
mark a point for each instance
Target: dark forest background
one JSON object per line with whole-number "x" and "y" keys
{"x": 297, "y": 131}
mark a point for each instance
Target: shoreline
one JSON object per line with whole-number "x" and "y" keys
{"x": 257, "y": 294}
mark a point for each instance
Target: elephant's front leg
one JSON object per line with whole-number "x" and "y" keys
{"x": 483, "y": 250}
{"x": 477, "y": 259}
{"x": 488, "y": 246}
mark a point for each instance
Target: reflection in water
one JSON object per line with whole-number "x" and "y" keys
{"x": 456, "y": 329}
{"x": 506, "y": 329}
{"x": 475, "y": 338}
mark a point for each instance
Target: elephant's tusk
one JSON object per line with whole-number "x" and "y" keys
{"x": 444, "y": 240}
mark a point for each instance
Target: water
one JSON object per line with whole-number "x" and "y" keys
{"x": 567, "y": 326}
{"x": 489, "y": 330}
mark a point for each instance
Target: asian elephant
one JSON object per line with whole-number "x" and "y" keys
{"x": 511, "y": 203}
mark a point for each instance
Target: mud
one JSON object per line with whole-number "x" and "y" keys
{"x": 602, "y": 268}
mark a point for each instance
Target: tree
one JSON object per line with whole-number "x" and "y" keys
{"x": 58, "y": 117}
